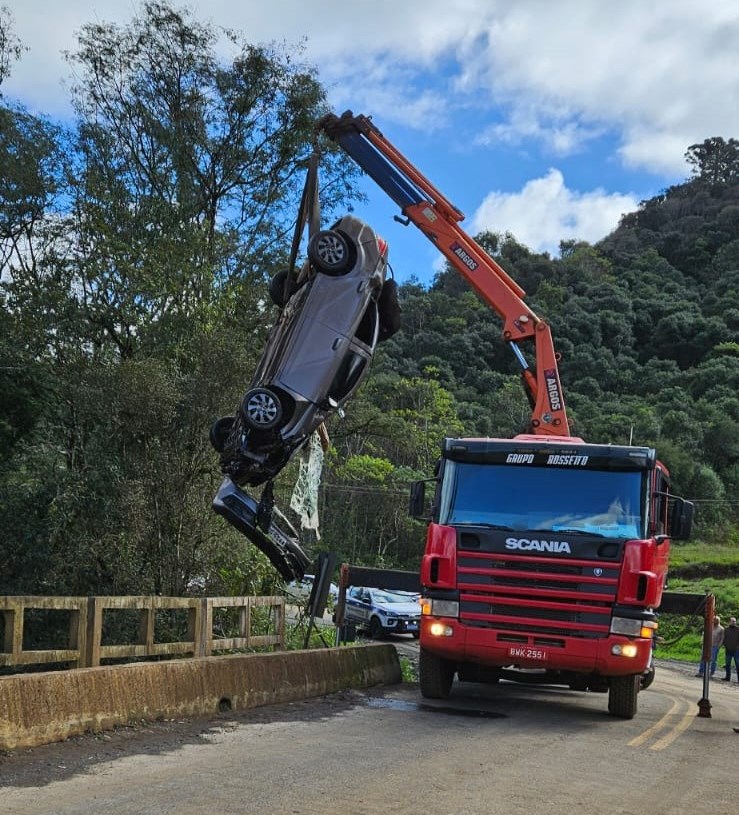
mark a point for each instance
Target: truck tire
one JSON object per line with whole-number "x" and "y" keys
{"x": 435, "y": 675}
{"x": 647, "y": 678}
{"x": 622, "y": 696}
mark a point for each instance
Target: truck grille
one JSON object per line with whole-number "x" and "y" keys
{"x": 536, "y": 595}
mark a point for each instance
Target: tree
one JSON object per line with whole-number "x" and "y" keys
{"x": 10, "y": 45}
{"x": 140, "y": 286}
{"x": 190, "y": 171}
{"x": 715, "y": 161}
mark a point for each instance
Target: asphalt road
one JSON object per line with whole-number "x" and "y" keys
{"x": 506, "y": 748}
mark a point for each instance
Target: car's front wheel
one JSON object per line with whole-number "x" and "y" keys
{"x": 377, "y": 632}
{"x": 329, "y": 252}
{"x": 261, "y": 409}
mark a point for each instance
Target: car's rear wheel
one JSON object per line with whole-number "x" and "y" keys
{"x": 277, "y": 288}
{"x": 220, "y": 431}
{"x": 261, "y": 409}
{"x": 329, "y": 252}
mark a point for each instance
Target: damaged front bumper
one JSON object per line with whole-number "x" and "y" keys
{"x": 283, "y": 550}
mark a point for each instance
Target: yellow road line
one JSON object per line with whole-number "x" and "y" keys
{"x": 679, "y": 728}
{"x": 657, "y": 726}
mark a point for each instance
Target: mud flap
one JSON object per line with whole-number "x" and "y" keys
{"x": 240, "y": 510}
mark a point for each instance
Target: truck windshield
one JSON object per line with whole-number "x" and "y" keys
{"x": 547, "y": 499}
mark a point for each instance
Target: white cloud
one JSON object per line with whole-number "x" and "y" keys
{"x": 663, "y": 74}
{"x": 545, "y": 212}
{"x": 660, "y": 76}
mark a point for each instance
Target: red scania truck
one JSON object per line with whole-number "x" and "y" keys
{"x": 546, "y": 556}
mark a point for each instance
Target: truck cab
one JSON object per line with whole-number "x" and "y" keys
{"x": 545, "y": 561}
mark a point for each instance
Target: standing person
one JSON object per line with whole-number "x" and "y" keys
{"x": 731, "y": 648}
{"x": 717, "y": 640}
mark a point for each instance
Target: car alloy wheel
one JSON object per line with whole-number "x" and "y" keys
{"x": 328, "y": 251}
{"x": 261, "y": 409}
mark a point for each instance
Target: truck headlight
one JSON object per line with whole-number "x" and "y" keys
{"x": 437, "y": 629}
{"x": 626, "y": 626}
{"x": 628, "y": 649}
{"x": 440, "y": 608}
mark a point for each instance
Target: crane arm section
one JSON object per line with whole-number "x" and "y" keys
{"x": 427, "y": 208}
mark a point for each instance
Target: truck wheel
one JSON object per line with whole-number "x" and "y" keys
{"x": 622, "y": 696}
{"x": 329, "y": 252}
{"x": 435, "y": 675}
{"x": 647, "y": 678}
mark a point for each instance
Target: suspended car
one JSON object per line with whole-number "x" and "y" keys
{"x": 333, "y": 313}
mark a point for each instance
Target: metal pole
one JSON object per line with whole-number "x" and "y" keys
{"x": 704, "y": 705}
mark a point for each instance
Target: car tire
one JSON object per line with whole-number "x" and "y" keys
{"x": 220, "y": 431}
{"x": 388, "y": 308}
{"x": 277, "y": 288}
{"x": 261, "y": 409}
{"x": 329, "y": 252}
{"x": 377, "y": 632}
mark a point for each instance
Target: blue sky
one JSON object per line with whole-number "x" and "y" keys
{"x": 544, "y": 119}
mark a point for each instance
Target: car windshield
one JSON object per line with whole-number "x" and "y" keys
{"x": 605, "y": 503}
{"x": 391, "y": 597}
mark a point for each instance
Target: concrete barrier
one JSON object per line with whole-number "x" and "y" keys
{"x": 41, "y": 708}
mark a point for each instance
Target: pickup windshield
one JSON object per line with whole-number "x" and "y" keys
{"x": 546, "y": 499}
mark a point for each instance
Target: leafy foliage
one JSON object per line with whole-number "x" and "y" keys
{"x": 135, "y": 248}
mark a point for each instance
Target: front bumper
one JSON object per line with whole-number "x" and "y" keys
{"x": 283, "y": 550}
{"x": 497, "y": 648}
{"x": 402, "y": 626}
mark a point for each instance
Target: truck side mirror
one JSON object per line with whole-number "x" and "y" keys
{"x": 417, "y": 506}
{"x": 681, "y": 519}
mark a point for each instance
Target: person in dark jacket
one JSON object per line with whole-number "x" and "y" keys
{"x": 731, "y": 648}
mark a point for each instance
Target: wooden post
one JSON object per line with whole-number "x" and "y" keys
{"x": 704, "y": 705}
{"x": 93, "y": 633}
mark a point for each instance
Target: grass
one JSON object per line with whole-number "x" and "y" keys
{"x": 696, "y": 558}
{"x": 408, "y": 670}
{"x": 699, "y": 568}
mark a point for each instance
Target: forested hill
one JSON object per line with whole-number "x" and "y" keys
{"x": 646, "y": 321}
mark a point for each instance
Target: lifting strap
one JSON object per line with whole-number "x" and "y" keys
{"x": 309, "y": 213}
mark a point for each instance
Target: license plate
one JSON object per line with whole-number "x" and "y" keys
{"x": 527, "y": 653}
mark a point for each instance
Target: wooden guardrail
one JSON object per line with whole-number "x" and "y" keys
{"x": 85, "y": 647}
